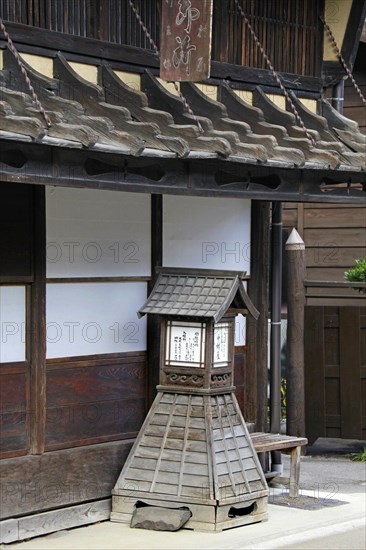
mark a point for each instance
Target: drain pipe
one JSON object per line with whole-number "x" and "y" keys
{"x": 338, "y": 96}
{"x": 275, "y": 350}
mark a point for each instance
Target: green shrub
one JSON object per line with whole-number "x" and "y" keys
{"x": 359, "y": 457}
{"x": 357, "y": 274}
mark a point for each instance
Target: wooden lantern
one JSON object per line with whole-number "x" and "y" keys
{"x": 194, "y": 449}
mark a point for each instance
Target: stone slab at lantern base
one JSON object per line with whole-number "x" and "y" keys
{"x": 204, "y": 517}
{"x": 194, "y": 450}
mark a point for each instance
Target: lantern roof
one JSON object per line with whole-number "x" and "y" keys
{"x": 204, "y": 293}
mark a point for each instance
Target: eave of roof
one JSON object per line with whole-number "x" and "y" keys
{"x": 114, "y": 118}
{"x": 253, "y": 150}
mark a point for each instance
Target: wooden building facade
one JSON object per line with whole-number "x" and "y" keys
{"x": 123, "y": 181}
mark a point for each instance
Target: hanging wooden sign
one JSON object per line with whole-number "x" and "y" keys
{"x": 185, "y": 43}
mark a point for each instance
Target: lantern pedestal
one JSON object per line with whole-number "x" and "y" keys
{"x": 194, "y": 451}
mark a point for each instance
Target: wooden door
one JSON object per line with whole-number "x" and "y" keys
{"x": 335, "y": 372}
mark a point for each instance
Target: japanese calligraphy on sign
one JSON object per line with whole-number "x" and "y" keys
{"x": 185, "y": 43}
{"x": 221, "y": 345}
{"x": 185, "y": 345}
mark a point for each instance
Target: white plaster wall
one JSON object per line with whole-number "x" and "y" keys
{"x": 94, "y": 318}
{"x": 95, "y": 233}
{"x": 12, "y": 323}
{"x": 206, "y": 233}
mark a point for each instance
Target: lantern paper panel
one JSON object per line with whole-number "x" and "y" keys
{"x": 185, "y": 344}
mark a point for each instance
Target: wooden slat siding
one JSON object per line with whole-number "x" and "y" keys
{"x": 327, "y": 274}
{"x": 334, "y": 236}
{"x": 75, "y": 48}
{"x": 334, "y": 218}
{"x": 116, "y": 23}
{"x": 342, "y": 237}
{"x": 36, "y": 325}
{"x": 349, "y": 343}
{"x": 343, "y": 349}
{"x": 314, "y": 373}
{"x": 14, "y": 409}
{"x": 54, "y": 480}
{"x": 96, "y": 399}
{"x": 333, "y": 256}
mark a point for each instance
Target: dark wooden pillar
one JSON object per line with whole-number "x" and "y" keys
{"x": 256, "y": 375}
{"x": 295, "y": 387}
{"x": 36, "y": 340}
{"x": 153, "y": 321}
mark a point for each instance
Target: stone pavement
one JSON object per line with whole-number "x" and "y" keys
{"x": 329, "y": 513}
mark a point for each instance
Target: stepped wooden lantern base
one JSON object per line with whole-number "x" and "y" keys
{"x": 194, "y": 449}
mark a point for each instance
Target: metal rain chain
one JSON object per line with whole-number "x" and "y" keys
{"x": 154, "y": 46}
{"x": 274, "y": 73}
{"x": 15, "y": 52}
{"x": 342, "y": 60}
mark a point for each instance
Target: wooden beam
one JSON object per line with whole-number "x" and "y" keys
{"x": 153, "y": 321}
{"x": 36, "y": 351}
{"x": 256, "y": 374}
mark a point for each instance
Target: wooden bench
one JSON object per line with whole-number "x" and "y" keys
{"x": 288, "y": 444}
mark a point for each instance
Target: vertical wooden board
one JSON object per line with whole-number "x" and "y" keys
{"x": 332, "y": 396}
{"x": 314, "y": 373}
{"x": 239, "y": 367}
{"x": 350, "y": 372}
{"x": 256, "y": 372}
{"x": 14, "y": 409}
{"x": 331, "y": 346}
{"x": 36, "y": 324}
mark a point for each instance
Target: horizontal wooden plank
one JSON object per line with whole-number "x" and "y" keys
{"x": 336, "y": 237}
{"x": 56, "y": 479}
{"x": 331, "y": 301}
{"x": 333, "y": 256}
{"x": 272, "y": 442}
{"x": 65, "y": 518}
{"x": 325, "y": 206}
{"x": 335, "y": 218}
{"x": 98, "y": 359}
{"x": 72, "y": 280}
{"x": 331, "y": 289}
{"x": 290, "y": 218}
{"x": 325, "y": 273}
{"x": 95, "y": 383}
{"x": 82, "y": 423}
